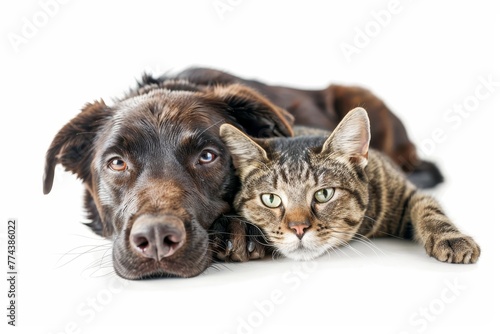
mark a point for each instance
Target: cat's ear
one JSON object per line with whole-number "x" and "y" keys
{"x": 350, "y": 138}
{"x": 246, "y": 153}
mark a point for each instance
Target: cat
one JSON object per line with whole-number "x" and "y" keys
{"x": 309, "y": 194}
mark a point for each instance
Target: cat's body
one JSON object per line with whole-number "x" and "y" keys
{"x": 309, "y": 194}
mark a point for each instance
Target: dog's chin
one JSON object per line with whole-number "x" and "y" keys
{"x": 149, "y": 269}
{"x": 187, "y": 262}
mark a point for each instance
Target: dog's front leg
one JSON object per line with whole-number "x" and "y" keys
{"x": 234, "y": 240}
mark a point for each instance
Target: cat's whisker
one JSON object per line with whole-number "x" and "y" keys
{"x": 353, "y": 249}
{"x": 358, "y": 252}
{"x": 275, "y": 254}
{"x": 326, "y": 252}
{"x": 340, "y": 250}
{"x": 335, "y": 249}
{"x": 364, "y": 240}
{"x": 370, "y": 218}
{"x": 266, "y": 243}
{"x": 392, "y": 235}
{"x": 335, "y": 242}
{"x": 244, "y": 221}
{"x": 373, "y": 248}
{"x": 255, "y": 238}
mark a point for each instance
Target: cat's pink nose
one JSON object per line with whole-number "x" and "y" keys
{"x": 299, "y": 228}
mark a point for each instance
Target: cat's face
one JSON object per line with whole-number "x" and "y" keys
{"x": 304, "y": 203}
{"x": 306, "y": 194}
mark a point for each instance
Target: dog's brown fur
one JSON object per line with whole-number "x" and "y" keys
{"x": 325, "y": 108}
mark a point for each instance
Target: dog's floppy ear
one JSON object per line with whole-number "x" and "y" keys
{"x": 72, "y": 146}
{"x": 258, "y": 116}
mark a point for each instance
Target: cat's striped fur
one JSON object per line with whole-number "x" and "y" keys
{"x": 285, "y": 190}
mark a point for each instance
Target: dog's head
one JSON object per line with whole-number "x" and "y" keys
{"x": 156, "y": 172}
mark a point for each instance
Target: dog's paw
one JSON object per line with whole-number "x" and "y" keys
{"x": 235, "y": 241}
{"x": 453, "y": 248}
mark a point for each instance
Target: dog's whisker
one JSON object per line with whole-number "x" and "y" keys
{"x": 105, "y": 254}
{"x": 78, "y": 255}
{"x": 89, "y": 237}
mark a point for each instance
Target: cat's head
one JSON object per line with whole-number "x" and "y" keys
{"x": 306, "y": 194}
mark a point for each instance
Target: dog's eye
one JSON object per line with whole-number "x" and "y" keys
{"x": 117, "y": 165}
{"x": 207, "y": 157}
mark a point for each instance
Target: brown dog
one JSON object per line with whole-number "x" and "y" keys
{"x": 157, "y": 175}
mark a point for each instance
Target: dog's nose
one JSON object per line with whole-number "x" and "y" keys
{"x": 157, "y": 236}
{"x": 299, "y": 227}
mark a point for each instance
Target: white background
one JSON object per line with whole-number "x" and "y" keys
{"x": 427, "y": 59}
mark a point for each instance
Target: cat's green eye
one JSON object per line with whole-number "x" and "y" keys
{"x": 271, "y": 200}
{"x": 324, "y": 195}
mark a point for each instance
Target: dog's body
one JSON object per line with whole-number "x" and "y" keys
{"x": 325, "y": 108}
{"x": 156, "y": 173}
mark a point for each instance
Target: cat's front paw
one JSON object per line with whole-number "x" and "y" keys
{"x": 453, "y": 248}
{"x": 236, "y": 241}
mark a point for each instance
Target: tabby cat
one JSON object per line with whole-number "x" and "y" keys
{"x": 308, "y": 195}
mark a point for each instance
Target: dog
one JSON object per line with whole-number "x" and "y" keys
{"x": 159, "y": 182}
